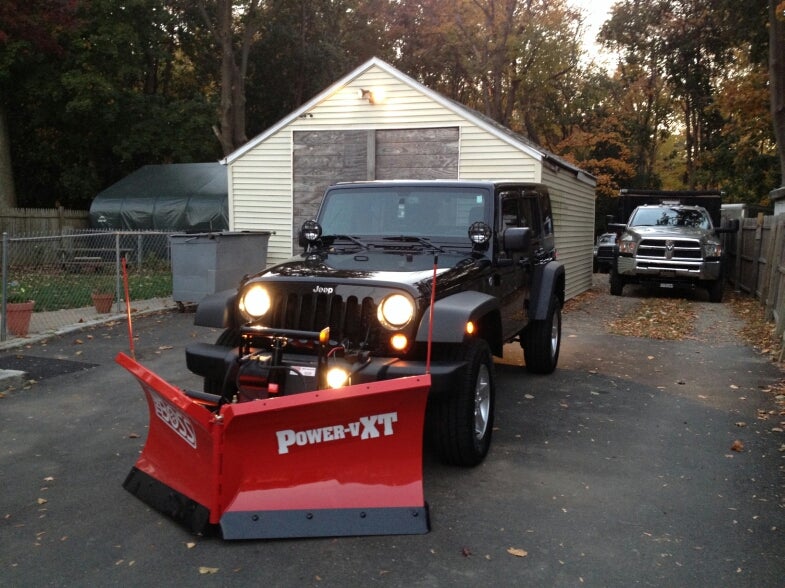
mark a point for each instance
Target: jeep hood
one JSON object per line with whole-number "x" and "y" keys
{"x": 376, "y": 268}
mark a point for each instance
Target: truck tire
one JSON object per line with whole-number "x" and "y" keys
{"x": 462, "y": 419}
{"x": 541, "y": 341}
{"x": 230, "y": 339}
{"x": 715, "y": 290}
{"x": 617, "y": 282}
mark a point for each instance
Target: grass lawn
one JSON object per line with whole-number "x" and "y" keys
{"x": 60, "y": 290}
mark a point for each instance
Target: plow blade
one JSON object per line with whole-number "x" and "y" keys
{"x": 327, "y": 463}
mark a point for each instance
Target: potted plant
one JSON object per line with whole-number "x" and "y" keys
{"x": 103, "y": 297}
{"x": 18, "y": 310}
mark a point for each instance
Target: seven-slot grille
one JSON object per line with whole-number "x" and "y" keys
{"x": 670, "y": 249}
{"x": 349, "y": 318}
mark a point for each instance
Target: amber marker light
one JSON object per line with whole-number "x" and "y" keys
{"x": 399, "y": 342}
{"x": 470, "y": 328}
{"x": 324, "y": 335}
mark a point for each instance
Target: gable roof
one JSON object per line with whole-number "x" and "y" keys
{"x": 473, "y": 116}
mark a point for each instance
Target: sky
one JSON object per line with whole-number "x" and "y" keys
{"x": 596, "y": 13}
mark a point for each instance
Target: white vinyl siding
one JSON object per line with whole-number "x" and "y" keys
{"x": 260, "y": 193}
{"x": 573, "y": 218}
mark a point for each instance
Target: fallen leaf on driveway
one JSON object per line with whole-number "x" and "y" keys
{"x": 737, "y": 446}
{"x": 517, "y": 552}
{"x": 206, "y": 570}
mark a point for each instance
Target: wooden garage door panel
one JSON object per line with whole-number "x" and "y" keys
{"x": 419, "y": 154}
{"x": 321, "y": 158}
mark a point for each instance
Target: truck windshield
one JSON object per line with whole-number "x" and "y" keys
{"x": 661, "y": 216}
{"x": 430, "y": 211}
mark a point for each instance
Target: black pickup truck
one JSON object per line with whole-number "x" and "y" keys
{"x": 386, "y": 266}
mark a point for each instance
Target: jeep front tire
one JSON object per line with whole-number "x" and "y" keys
{"x": 463, "y": 418}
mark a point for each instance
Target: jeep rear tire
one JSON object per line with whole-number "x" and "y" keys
{"x": 462, "y": 419}
{"x": 541, "y": 341}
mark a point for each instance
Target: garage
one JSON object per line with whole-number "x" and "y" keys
{"x": 376, "y": 123}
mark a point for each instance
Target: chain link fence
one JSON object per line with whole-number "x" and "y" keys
{"x": 74, "y": 279}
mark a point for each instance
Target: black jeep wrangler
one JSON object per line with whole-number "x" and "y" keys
{"x": 355, "y": 305}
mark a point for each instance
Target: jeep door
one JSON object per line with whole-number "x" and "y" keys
{"x": 512, "y": 277}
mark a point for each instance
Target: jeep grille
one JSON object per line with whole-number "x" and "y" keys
{"x": 348, "y": 318}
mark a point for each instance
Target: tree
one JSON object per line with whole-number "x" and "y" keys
{"x": 777, "y": 77}
{"x": 234, "y": 25}
{"x": 304, "y": 46}
{"x": 25, "y": 26}
{"x": 122, "y": 94}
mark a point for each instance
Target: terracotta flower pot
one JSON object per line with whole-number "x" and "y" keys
{"x": 18, "y": 317}
{"x": 103, "y": 302}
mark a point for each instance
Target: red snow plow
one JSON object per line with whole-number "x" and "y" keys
{"x": 332, "y": 462}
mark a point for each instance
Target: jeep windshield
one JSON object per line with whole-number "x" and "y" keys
{"x": 661, "y": 216}
{"x": 417, "y": 214}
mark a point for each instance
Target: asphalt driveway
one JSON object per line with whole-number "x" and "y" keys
{"x": 638, "y": 463}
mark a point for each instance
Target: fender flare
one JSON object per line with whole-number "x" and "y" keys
{"x": 548, "y": 281}
{"x": 217, "y": 310}
{"x": 451, "y": 314}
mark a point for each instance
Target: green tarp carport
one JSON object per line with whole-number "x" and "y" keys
{"x": 186, "y": 197}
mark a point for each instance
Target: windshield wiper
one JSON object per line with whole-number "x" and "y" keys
{"x": 412, "y": 239}
{"x": 331, "y": 239}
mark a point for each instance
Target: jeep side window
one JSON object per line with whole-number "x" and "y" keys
{"x": 510, "y": 211}
{"x": 531, "y": 214}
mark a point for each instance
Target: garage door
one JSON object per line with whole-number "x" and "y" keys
{"x": 322, "y": 158}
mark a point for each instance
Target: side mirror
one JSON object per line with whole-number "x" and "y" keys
{"x": 516, "y": 239}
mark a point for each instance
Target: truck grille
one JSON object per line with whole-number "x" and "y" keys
{"x": 348, "y": 318}
{"x": 670, "y": 249}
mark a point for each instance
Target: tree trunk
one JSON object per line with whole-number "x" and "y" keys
{"x": 777, "y": 77}
{"x": 7, "y": 190}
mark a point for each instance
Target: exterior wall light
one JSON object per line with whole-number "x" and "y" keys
{"x": 373, "y": 96}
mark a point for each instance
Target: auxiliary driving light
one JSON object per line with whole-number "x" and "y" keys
{"x": 337, "y": 377}
{"x": 399, "y": 342}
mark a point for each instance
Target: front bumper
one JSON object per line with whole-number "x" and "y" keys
{"x": 662, "y": 270}
{"x": 220, "y": 364}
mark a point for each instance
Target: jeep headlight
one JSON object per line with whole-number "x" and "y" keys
{"x": 627, "y": 246}
{"x": 396, "y": 311}
{"x": 712, "y": 249}
{"x": 254, "y": 302}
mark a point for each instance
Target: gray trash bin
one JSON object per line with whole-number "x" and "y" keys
{"x": 205, "y": 263}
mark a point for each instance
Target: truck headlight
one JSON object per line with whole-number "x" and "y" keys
{"x": 395, "y": 311}
{"x": 627, "y": 247}
{"x": 712, "y": 250}
{"x": 255, "y": 302}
